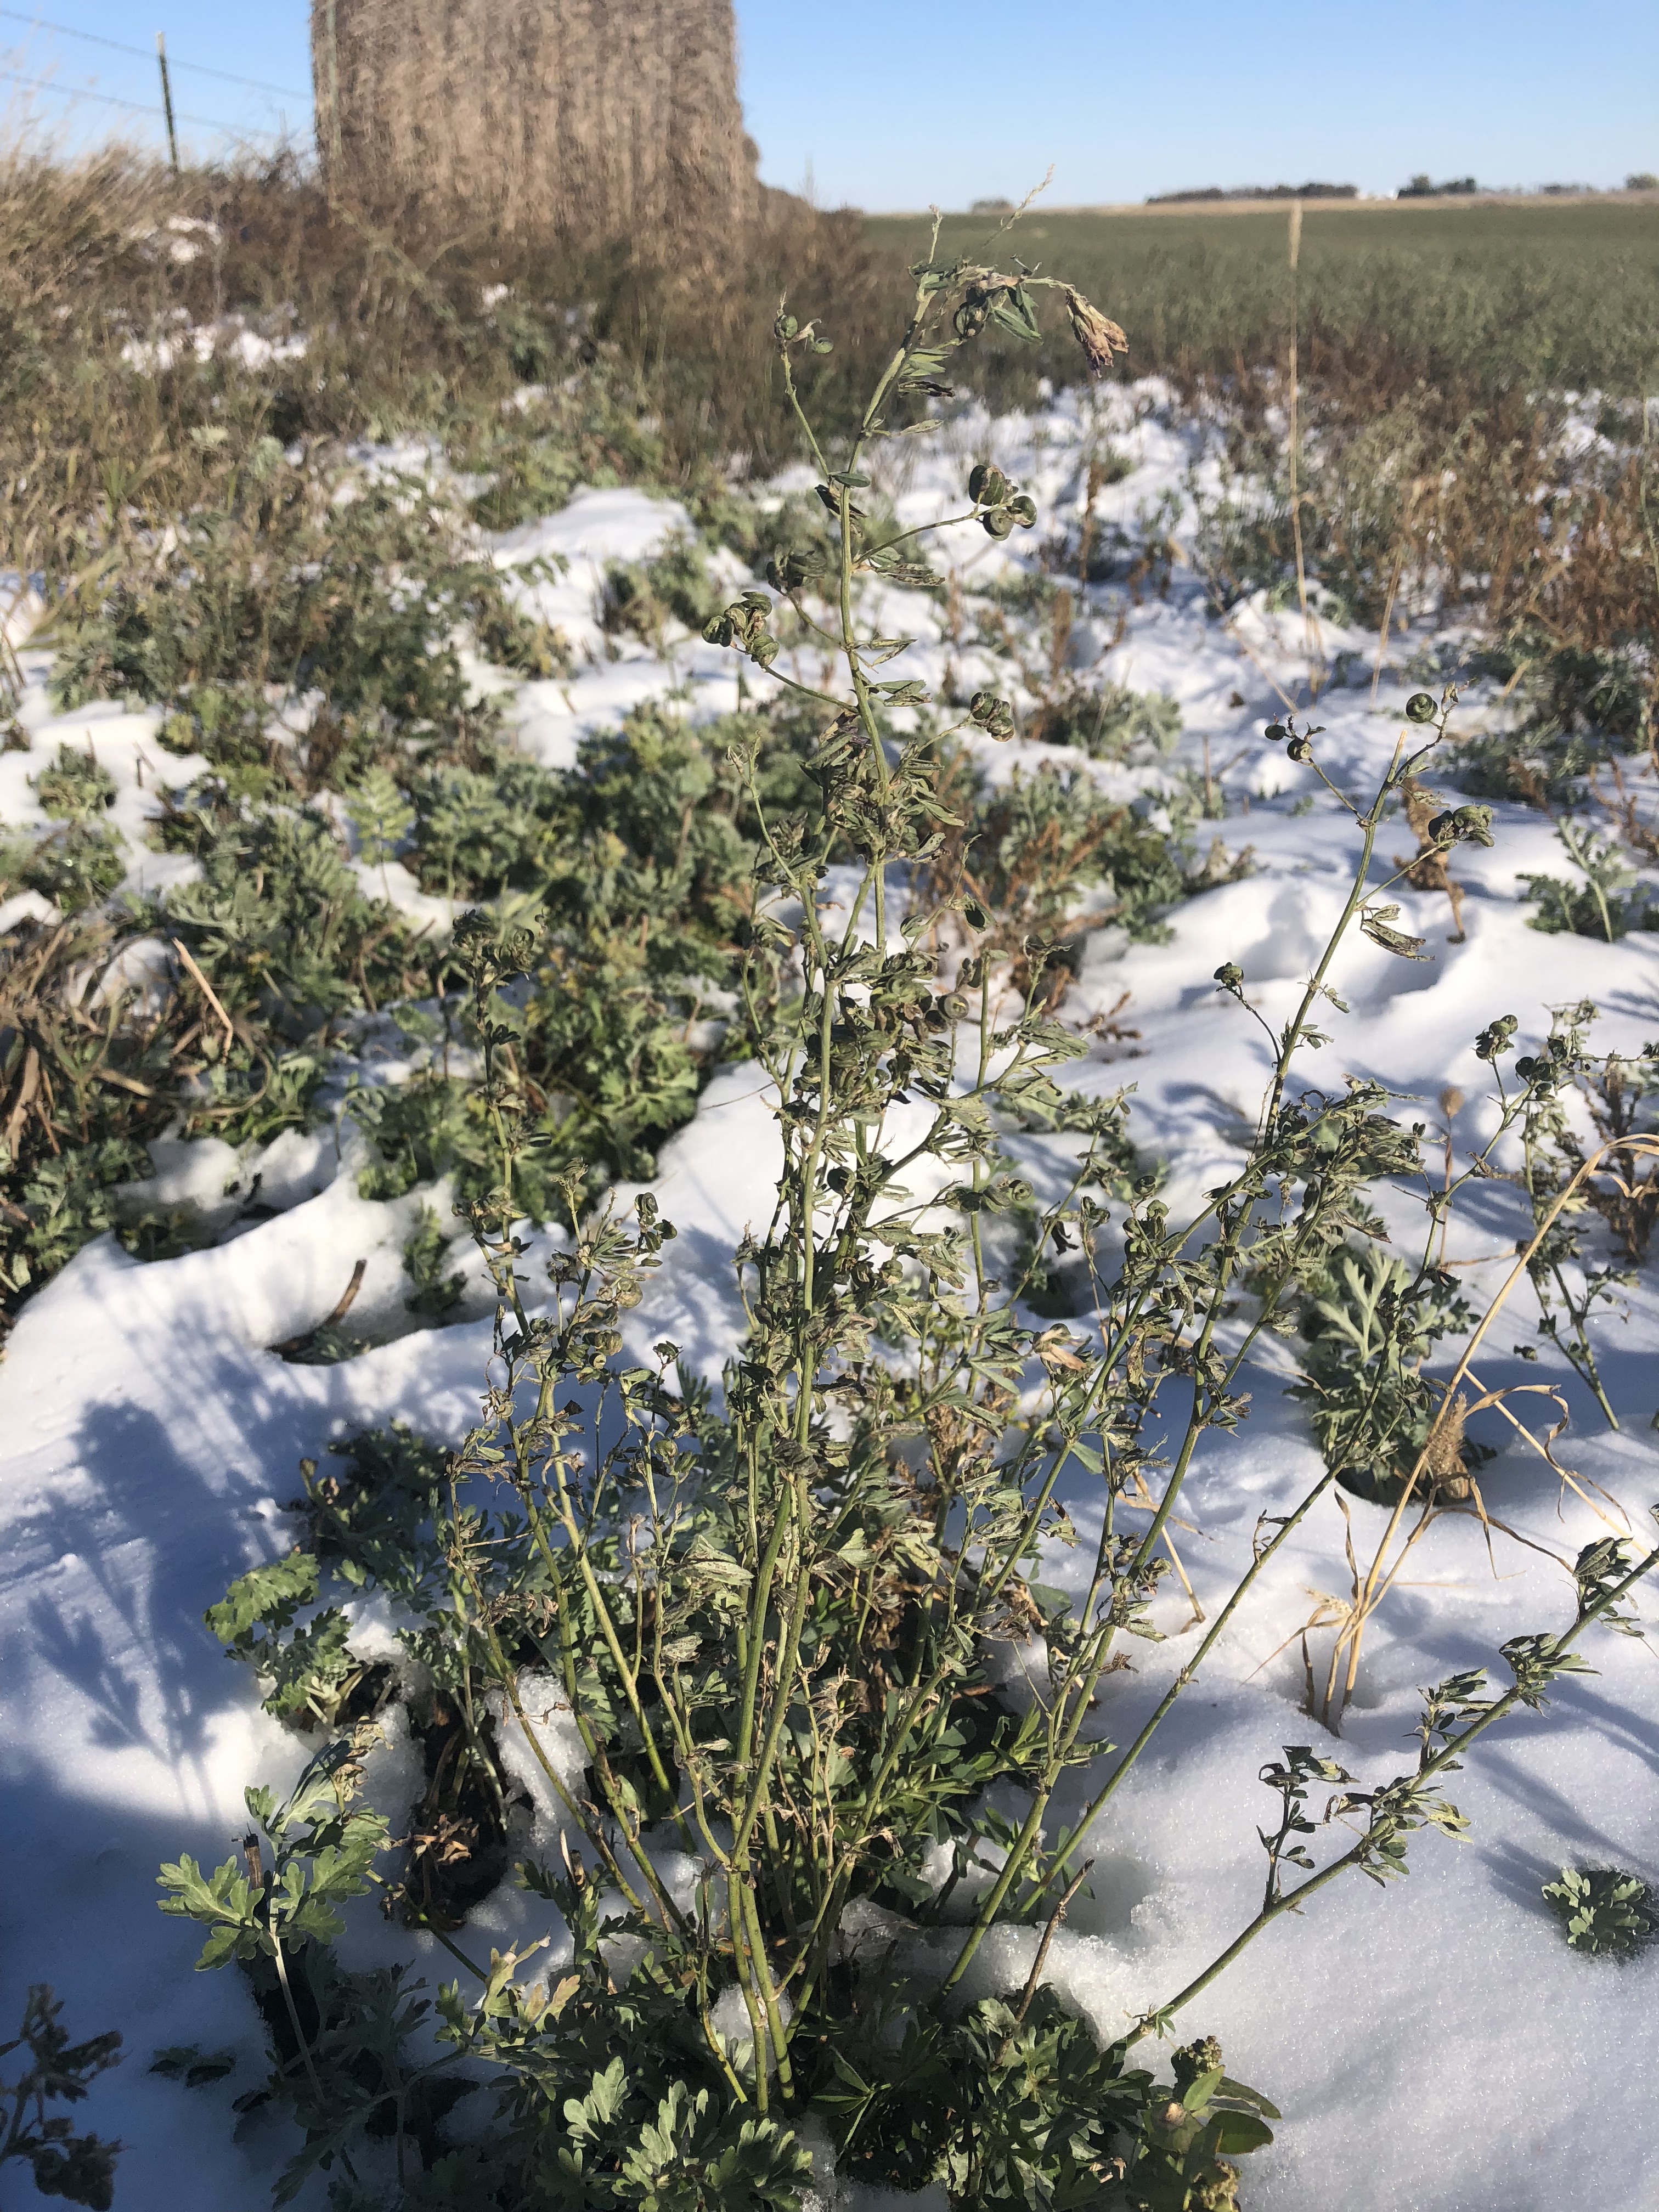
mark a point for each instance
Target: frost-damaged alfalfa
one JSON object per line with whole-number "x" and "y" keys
{"x": 748, "y": 1647}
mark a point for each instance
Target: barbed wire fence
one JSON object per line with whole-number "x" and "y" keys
{"x": 163, "y": 110}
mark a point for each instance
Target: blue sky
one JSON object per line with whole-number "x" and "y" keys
{"x": 895, "y": 103}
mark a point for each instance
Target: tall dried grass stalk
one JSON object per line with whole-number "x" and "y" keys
{"x": 1309, "y": 620}
{"x": 581, "y": 121}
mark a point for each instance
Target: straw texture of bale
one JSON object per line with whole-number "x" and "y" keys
{"x": 587, "y": 121}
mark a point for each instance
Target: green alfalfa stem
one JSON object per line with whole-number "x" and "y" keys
{"x": 805, "y": 1372}
{"x": 578, "y": 1551}
{"x": 741, "y": 1964}
{"x": 788, "y": 1663}
{"x": 777, "y": 2034}
{"x": 796, "y": 1505}
{"x": 1370, "y": 822}
{"x": 1447, "y": 1756}
{"x": 1366, "y": 1600}
{"x": 293, "y": 2009}
{"x": 1112, "y": 1350}
{"x": 759, "y": 1606}
{"x": 923, "y": 529}
{"x": 849, "y": 641}
{"x": 506, "y": 1675}
{"x": 1202, "y": 1401}
{"x": 1183, "y": 1679}
{"x": 793, "y": 1505}
{"x": 1574, "y": 1345}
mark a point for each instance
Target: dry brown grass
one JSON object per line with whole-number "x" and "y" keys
{"x": 1432, "y": 451}
{"x": 673, "y": 357}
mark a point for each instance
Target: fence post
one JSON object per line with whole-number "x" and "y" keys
{"x": 166, "y": 101}
{"x": 331, "y": 61}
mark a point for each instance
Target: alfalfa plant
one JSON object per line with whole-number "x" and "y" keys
{"x": 1616, "y": 1176}
{"x": 748, "y": 1649}
{"x": 1563, "y": 1178}
{"x": 1603, "y": 1911}
{"x": 81, "y": 2169}
{"x": 381, "y": 817}
{"x": 1607, "y": 903}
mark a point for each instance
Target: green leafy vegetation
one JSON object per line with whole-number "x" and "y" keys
{"x": 74, "y": 867}
{"x": 75, "y": 789}
{"x": 1370, "y": 1324}
{"x": 1543, "y": 296}
{"x": 357, "y": 600}
{"x": 79, "y": 2168}
{"x": 1040, "y": 845}
{"x": 1111, "y": 722}
{"x": 1603, "y": 1911}
{"x": 767, "y": 1620}
{"x": 1615, "y": 1177}
{"x": 643, "y": 597}
{"x": 751, "y": 1637}
{"x": 1597, "y": 905}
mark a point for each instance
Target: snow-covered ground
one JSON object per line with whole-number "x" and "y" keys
{"x": 1435, "y": 2047}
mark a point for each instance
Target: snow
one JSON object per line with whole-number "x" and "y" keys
{"x": 124, "y": 744}
{"x": 558, "y": 565}
{"x": 229, "y": 340}
{"x": 1434, "y": 2047}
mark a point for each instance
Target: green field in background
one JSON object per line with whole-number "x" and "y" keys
{"x": 1529, "y": 232}
{"x": 1567, "y": 291}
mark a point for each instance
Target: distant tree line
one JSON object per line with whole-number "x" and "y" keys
{"x": 1311, "y": 192}
{"x": 1423, "y": 188}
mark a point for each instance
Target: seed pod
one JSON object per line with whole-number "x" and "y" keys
{"x": 1230, "y": 977}
{"x": 988, "y": 486}
{"x": 1274, "y": 733}
{"x": 1023, "y": 507}
{"x": 1298, "y": 749}
{"x": 998, "y": 522}
{"x": 994, "y": 715}
{"x": 787, "y": 572}
{"x": 1462, "y": 825}
{"x": 970, "y": 318}
{"x": 1496, "y": 1038}
{"x": 1419, "y": 708}
{"x": 1377, "y": 926}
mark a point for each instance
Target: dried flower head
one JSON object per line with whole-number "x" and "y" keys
{"x": 1099, "y": 337}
